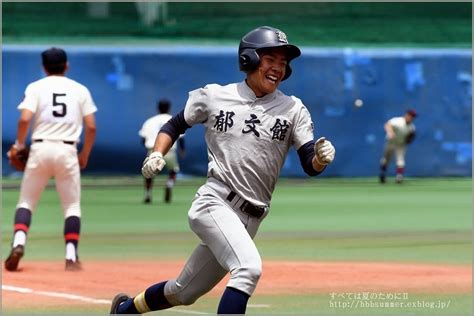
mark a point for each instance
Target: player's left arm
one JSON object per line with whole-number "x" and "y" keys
{"x": 89, "y": 139}
{"x": 314, "y": 156}
{"x": 410, "y": 137}
{"x": 324, "y": 153}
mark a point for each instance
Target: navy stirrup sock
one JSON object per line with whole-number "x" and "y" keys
{"x": 22, "y": 220}
{"x": 152, "y": 299}
{"x": 72, "y": 230}
{"x": 233, "y": 301}
{"x": 155, "y": 297}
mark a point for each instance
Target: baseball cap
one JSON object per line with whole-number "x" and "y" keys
{"x": 54, "y": 56}
{"x": 412, "y": 112}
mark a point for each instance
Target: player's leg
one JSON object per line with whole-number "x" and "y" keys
{"x": 148, "y": 186}
{"x": 384, "y": 161}
{"x": 173, "y": 167}
{"x": 169, "y": 185}
{"x": 33, "y": 183}
{"x": 200, "y": 274}
{"x": 400, "y": 162}
{"x": 68, "y": 185}
{"x": 224, "y": 232}
{"x": 148, "y": 190}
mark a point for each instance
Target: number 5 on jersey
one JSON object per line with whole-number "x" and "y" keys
{"x": 62, "y": 111}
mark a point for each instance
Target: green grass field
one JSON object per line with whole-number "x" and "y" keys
{"x": 420, "y": 221}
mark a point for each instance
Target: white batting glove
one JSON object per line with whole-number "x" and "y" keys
{"x": 153, "y": 164}
{"x": 324, "y": 151}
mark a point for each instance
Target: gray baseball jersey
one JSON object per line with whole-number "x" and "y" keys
{"x": 248, "y": 137}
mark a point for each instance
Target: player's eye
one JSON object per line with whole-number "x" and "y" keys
{"x": 269, "y": 59}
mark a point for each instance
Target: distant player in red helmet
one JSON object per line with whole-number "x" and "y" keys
{"x": 400, "y": 131}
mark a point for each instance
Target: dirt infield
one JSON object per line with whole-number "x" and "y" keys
{"x": 47, "y": 284}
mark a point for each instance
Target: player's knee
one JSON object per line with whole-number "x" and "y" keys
{"x": 246, "y": 277}
{"x": 172, "y": 174}
{"x": 251, "y": 272}
{"x": 187, "y": 300}
{"x": 179, "y": 294}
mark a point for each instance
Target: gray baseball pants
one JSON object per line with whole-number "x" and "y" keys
{"x": 227, "y": 246}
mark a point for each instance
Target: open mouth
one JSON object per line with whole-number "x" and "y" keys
{"x": 272, "y": 78}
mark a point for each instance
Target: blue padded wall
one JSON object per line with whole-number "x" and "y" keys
{"x": 126, "y": 82}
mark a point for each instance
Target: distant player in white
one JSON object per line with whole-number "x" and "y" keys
{"x": 148, "y": 132}
{"x": 249, "y": 129}
{"x": 56, "y": 107}
{"x": 400, "y": 131}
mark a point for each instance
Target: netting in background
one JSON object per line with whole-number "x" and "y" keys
{"x": 320, "y": 23}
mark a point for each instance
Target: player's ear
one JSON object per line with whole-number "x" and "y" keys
{"x": 66, "y": 67}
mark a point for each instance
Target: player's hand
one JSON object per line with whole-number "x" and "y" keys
{"x": 324, "y": 151}
{"x": 153, "y": 164}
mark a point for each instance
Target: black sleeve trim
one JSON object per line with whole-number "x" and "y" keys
{"x": 181, "y": 143}
{"x": 306, "y": 154}
{"x": 175, "y": 126}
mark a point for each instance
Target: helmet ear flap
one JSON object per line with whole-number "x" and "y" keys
{"x": 248, "y": 59}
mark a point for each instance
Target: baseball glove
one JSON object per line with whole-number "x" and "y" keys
{"x": 18, "y": 157}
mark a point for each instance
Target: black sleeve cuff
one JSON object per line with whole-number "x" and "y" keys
{"x": 175, "y": 126}
{"x": 306, "y": 154}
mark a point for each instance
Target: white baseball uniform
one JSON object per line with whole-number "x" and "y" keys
{"x": 248, "y": 139}
{"x": 59, "y": 105}
{"x": 397, "y": 145}
{"x": 150, "y": 129}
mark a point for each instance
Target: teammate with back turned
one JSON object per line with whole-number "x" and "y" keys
{"x": 249, "y": 129}
{"x": 56, "y": 107}
{"x": 148, "y": 132}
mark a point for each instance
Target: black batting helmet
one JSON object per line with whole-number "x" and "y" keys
{"x": 264, "y": 37}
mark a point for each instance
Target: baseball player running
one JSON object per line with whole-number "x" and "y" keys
{"x": 400, "y": 131}
{"x": 148, "y": 132}
{"x": 249, "y": 128}
{"x": 56, "y": 107}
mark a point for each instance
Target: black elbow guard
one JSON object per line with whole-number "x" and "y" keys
{"x": 175, "y": 126}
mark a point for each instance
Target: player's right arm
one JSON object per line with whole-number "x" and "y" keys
{"x": 165, "y": 139}
{"x": 389, "y": 130}
{"x": 28, "y": 107}
{"x": 194, "y": 112}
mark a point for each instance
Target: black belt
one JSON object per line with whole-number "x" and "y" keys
{"x": 64, "y": 141}
{"x": 248, "y": 207}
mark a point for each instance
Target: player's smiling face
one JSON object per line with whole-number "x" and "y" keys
{"x": 271, "y": 70}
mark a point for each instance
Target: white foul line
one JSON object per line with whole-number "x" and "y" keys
{"x": 55, "y": 294}
{"x": 78, "y": 297}
{"x": 94, "y": 300}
